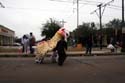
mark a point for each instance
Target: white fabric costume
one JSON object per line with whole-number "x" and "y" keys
{"x": 43, "y": 47}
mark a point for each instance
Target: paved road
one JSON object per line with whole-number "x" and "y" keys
{"x": 93, "y": 69}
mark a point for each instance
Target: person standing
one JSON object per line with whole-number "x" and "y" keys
{"x": 31, "y": 42}
{"x": 89, "y": 44}
{"x": 61, "y": 48}
{"x": 25, "y": 44}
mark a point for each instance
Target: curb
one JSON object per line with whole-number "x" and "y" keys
{"x": 72, "y": 54}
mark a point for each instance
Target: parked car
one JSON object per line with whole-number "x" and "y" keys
{"x": 16, "y": 44}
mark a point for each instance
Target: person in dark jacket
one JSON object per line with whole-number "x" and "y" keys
{"x": 61, "y": 48}
{"x": 89, "y": 44}
{"x": 31, "y": 42}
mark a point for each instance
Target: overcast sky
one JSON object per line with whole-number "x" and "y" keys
{"x": 24, "y": 16}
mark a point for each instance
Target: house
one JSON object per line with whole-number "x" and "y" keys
{"x": 6, "y": 36}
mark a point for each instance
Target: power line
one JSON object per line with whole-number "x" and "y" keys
{"x": 62, "y": 1}
{"x": 80, "y": 2}
{"x": 102, "y": 5}
{"x": 115, "y": 8}
{"x": 88, "y": 3}
{"x": 2, "y": 6}
{"x": 100, "y": 17}
{"x": 92, "y": 1}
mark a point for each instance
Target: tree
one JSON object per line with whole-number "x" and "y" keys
{"x": 113, "y": 29}
{"x": 50, "y": 28}
{"x": 115, "y": 23}
{"x": 83, "y": 31}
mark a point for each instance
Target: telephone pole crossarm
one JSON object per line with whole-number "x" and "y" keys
{"x": 2, "y": 6}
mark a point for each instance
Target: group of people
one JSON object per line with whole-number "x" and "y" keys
{"x": 28, "y": 41}
{"x": 113, "y": 44}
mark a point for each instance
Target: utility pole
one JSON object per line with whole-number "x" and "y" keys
{"x": 122, "y": 11}
{"x": 77, "y": 13}
{"x": 100, "y": 18}
{"x": 77, "y": 3}
{"x": 123, "y": 28}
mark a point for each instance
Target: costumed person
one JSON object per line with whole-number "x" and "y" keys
{"x": 61, "y": 48}
{"x": 54, "y": 55}
{"x": 45, "y": 46}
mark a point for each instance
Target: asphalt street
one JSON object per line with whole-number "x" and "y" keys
{"x": 82, "y": 69}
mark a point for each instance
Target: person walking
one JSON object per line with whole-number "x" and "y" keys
{"x": 61, "y": 48}
{"x": 31, "y": 42}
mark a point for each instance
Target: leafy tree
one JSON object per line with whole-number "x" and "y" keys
{"x": 113, "y": 29}
{"x": 83, "y": 31}
{"x": 115, "y": 23}
{"x": 50, "y": 28}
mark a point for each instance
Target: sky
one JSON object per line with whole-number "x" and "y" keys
{"x": 25, "y": 16}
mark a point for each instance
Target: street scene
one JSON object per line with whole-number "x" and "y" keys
{"x": 91, "y": 69}
{"x": 62, "y": 41}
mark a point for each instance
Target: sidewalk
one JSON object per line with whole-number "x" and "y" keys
{"x": 69, "y": 53}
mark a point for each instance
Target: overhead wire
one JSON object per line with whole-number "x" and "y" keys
{"x": 89, "y": 2}
{"x": 115, "y": 8}
{"x": 84, "y": 2}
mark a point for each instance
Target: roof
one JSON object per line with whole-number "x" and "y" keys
{"x": 1, "y": 26}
